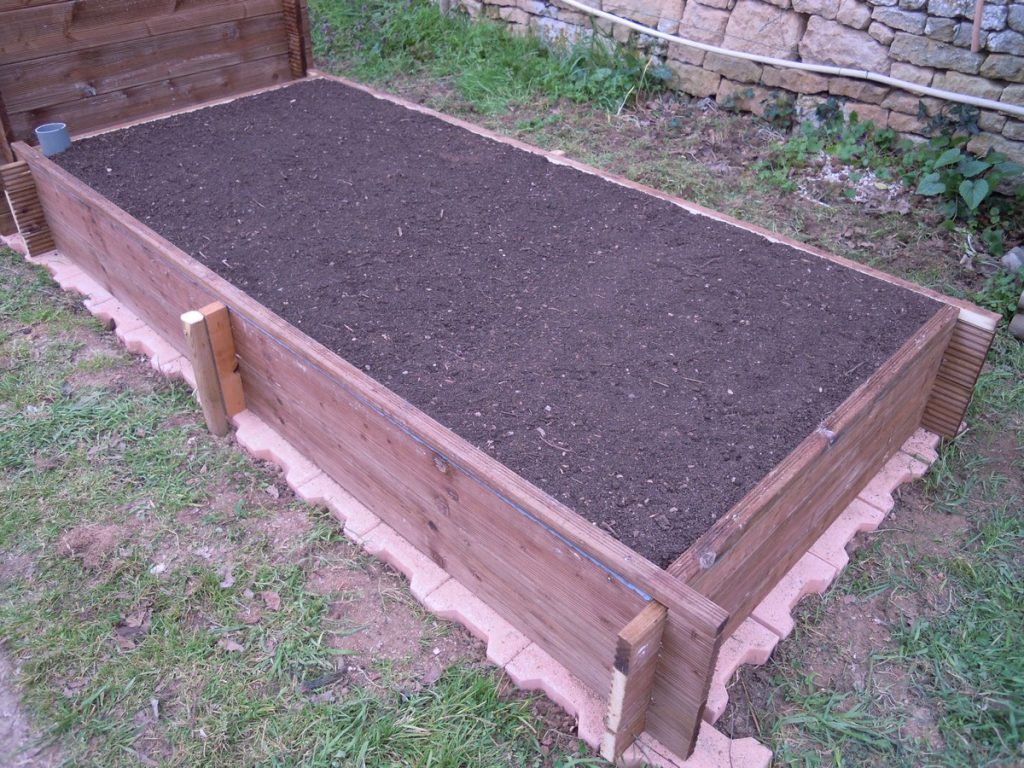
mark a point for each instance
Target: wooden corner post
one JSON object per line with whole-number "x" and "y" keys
{"x": 212, "y": 352}
{"x": 636, "y": 661}
{"x": 300, "y": 49}
{"x": 19, "y": 190}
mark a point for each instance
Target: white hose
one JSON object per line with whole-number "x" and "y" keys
{"x": 821, "y": 69}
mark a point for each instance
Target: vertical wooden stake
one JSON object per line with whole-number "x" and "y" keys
{"x": 218, "y": 326}
{"x": 636, "y": 661}
{"x": 205, "y": 367}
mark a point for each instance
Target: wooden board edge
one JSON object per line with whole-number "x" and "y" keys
{"x": 619, "y": 561}
{"x": 715, "y": 543}
{"x": 163, "y": 115}
{"x": 971, "y": 313}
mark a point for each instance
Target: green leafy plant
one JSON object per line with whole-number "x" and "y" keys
{"x": 1001, "y": 292}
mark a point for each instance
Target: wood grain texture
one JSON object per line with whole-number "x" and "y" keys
{"x": 152, "y": 98}
{"x": 7, "y": 223}
{"x": 84, "y": 74}
{"x": 222, "y": 342}
{"x": 25, "y": 208}
{"x": 954, "y": 384}
{"x": 741, "y": 558}
{"x": 56, "y": 28}
{"x": 204, "y": 368}
{"x": 6, "y": 133}
{"x": 633, "y": 672}
{"x": 563, "y": 583}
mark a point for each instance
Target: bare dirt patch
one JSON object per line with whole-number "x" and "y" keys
{"x": 91, "y": 543}
{"x": 19, "y": 746}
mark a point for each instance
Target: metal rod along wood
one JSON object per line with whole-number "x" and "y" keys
{"x": 204, "y": 364}
{"x": 636, "y": 661}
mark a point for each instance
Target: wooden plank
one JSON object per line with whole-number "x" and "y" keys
{"x": 6, "y": 133}
{"x": 204, "y": 368}
{"x": 152, "y": 98}
{"x": 25, "y": 207}
{"x": 7, "y": 223}
{"x": 16, "y": 5}
{"x": 296, "y": 48}
{"x": 82, "y": 75}
{"x": 56, "y": 28}
{"x": 739, "y": 560}
{"x": 633, "y": 671}
{"x": 307, "y": 35}
{"x": 954, "y": 385}
{"x": 566, "y": 585}
{"x": 218, "y": 325}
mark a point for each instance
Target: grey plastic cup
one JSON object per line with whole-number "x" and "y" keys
{"x": 53, "y": 138}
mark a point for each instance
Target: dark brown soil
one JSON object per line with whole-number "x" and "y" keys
{"x": 641, "y": 364}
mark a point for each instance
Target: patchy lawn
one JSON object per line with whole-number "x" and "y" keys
{"x": 167, "y": 601}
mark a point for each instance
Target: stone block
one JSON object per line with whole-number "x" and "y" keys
{"x": 910, "y": 103}
{"x": 703, "y": 24}
{"x": 906, "y": 21}
{"x": 824, "y": 8}
{"x": 928, "y": 53}
{"x": 794, "y": 80}
{"x": 727, "y": 5}
{"x": 881, "y": 33}
{"x": 1013, "y": 94}
{"x": 1002, "y": 67}
{"x": 854, "y": 14}
{"x": 858, "y": 90}
{"x": 964, "y": 35}
{"x": 696, "y": 81}
{"x": 972, "y": 86}
{"x": 868, "y": 113}
{"x": 992, "y": 122}
{"x": 514, "y": 15}
{"x": 1015, "y": 17}
{"x": 1014, "y": 130}
{"x": 684, "y": 54}
{"x": 1006, "y": 41}
{"x": 994, "y": 17}
{"x": 940, "y": 29}
{"x": 913, "y": 5}
{"x": 732, "y": 68}
{"x": 755, "y": 27}
{"x": 646, "y": 12}
{"x": 828, "y": 42}
{"x": 903, "y": 123}
{"x": 951, "y": 8}
{"x": 919, "y": 75}
{"x": 743, "y": 97}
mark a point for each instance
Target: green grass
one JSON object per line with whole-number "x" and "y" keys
{"x": 489, "y": 67}
{"x": 100, "y": 644}
{"x": 955, "y": 609}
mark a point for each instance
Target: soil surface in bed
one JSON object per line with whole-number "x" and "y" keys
{"x": 644, "y": 365}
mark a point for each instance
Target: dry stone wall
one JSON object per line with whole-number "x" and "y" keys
{"x": 921, "y": 41}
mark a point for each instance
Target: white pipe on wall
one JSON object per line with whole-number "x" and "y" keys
{"x": 821, "y": 69}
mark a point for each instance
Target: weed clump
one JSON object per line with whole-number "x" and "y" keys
{"x": 490, "y": 67}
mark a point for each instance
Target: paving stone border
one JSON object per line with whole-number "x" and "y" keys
{"x": 526, "y": 664}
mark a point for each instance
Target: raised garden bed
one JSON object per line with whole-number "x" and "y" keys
{"x": 645, "y": 366}
{"x": 570, "y": 330}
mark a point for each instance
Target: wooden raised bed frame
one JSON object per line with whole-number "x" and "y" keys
{"x": 588, "y": 600}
